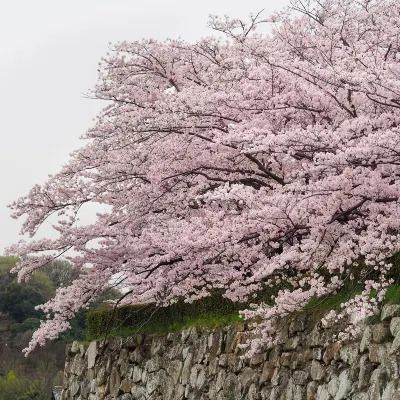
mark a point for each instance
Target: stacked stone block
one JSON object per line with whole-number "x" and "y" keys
{"x": 203, "y": 364}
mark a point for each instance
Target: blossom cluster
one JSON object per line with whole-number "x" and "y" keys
{"x": 235, "y": 163}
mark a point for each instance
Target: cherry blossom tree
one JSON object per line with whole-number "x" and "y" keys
{"x": 235, "y": 163}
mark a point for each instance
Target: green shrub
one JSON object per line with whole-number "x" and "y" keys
{"x": 141, "y": 317}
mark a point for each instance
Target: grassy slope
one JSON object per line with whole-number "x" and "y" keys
{"x": 315, "y": 306}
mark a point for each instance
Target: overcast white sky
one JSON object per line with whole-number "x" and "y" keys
{"x": 49, "y": 52}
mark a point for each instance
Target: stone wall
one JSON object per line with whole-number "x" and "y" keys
{"x": 206, "y": 364}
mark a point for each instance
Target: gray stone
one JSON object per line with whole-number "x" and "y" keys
{"x": 275, "y": 355}
{"x": 223, "y": 360}
{"x": 317, "y": 337}
{"x": 85, "y": 387}
{"x": 74, "y": 347}
{"x": 294, "y": 392}
{"x": 395, "y": 345}
{"x": 174, "y": 370}
{"x": 101, "y": 376}
{"x": 285, "y": 359}
{"x": 257, "y": 359}
{"x": 366, "y": 369}
{"x": 291, "y": 343}
{"x": 179, "y": 391}
{"x": 299, "y": 392}
{"x": 316, "y": 353}
{"x": 82, "y": 350}
{"x": 185, "y": 352}
{"x": 281, "y": 377}
{"x": 322, "y": 393}
{"x": 78, "y": 365}
{"x": 282, "y": 333}
{"x": 92, "y": 354}
{"x": 154, "y": 381}
{"x": 389, "y": 311}
{"x": 231, "y": 385}
{"x": 93, "y": 386}
{"x": 136, "y": 356}
{"x": 185, "y": 335}
{"x": 101, "y": 391}
{"x": 124, "y": 367}
{"x": 193, "y": 335}
{"x": 154, "y": 364}
{"x": 267, "y": 372}
{"x": 125, "y": 396}
{"x": 265, "y": 393}
{"x": 253, "y": 393}
{"x": 131, "y": 343}
{"x": 213, "y": 366}
{"x": 115, "y": 381}
{"x": 74, "y": 387}
{"x": 344, "y": 385}
{"x": 317, "y": 371}
{"x": 380, "y": 332}
{"x": 277, "y": 393}
{"x": 137, "y": 374}
{"x": 247, "y": 376}
{"x": 298, "y": 324}
{"x": 377, "y": 353}
{"x": 333, "y": 385}
{"x": 365, "y": 339}
{"x": 349, "y": 353}
{"x": 219, "y": 384}
{"x": 331, "y": 353}
{"x": 157, "y": 347}
{"x": 167, "y": 388}
{"x": 375, "y": 386}
{"x": 389, "y": 391}
{"x": 311, "y": 392}
{"x": 201, "y": 379}
{"x": 187, "y": 365}
{"x": 145, "y": 374}
{"x": 360, "y": 396}
{"x": 391, "y": 367}
{"x": 395, "y": 326}
{"x": 138, "y": 392}
{"x": 200, "y": 349}
{"x": 193, "y": 374}
{"x": 300, "y": 377}
{"x": 126, "y": 385}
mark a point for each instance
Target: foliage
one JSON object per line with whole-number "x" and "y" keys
{"x": 233, "y": 164}
{"x": 20, "y": 301}
{"x": 16, "y": 386}
{"x": 60, "y": 272}
{"x": 26, "y": 325}
{"x": 130, "y": 320}
{"x": 211, "y": 311}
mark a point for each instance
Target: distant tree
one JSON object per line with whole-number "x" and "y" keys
{"x": 60, "y": 272}
{"x": 6, "y": 264}
{"x": 19, "y": 301}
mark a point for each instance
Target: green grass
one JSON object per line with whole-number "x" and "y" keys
{"x": 315, "y": 307}
{"x": 157, "y": 327}
{"x": 327, "y": 303}
{"x": 393, "y": 294}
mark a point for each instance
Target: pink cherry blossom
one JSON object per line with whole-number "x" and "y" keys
{"x": 235, "y": 163}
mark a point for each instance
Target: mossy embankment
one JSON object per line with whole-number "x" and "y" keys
{"x": 213, "y": 311}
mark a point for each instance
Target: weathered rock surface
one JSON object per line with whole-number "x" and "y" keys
{"x": 201, "y": 364}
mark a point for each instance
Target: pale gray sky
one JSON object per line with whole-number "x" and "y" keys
{"x": 49, "y": 55}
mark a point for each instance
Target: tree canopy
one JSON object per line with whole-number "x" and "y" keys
{"x": 235, "y": 163}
